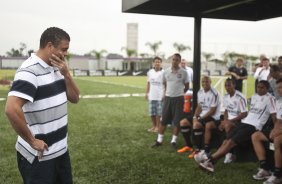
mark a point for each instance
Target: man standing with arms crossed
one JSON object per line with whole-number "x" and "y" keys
{"x": 176, "y": 82}
{"x": 238, "y": 74}
{"x": 37, "y": 110}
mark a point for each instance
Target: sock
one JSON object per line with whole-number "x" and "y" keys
{"x": 278, "y": 172}
{"x": 232, "y": 151}
{"x": 186, "y": 132}
{"x": 160, "y": 138}
{"x": 198, "y": 137}
{"x": 207, "y": 148}
{"x": 263, "y": 164}
{"x": 174, "y": 138}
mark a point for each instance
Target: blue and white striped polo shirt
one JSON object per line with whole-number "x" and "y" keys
{"x": 46, "y": 110}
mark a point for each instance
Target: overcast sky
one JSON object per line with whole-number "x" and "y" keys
{"x": 100, "y": 24}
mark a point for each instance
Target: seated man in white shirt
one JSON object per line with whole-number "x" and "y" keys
{"x": 260, "y": 139}
{"x": 235, "y": 105}
{"x": 262, "y": 107}
{"x": 206, "y": 116}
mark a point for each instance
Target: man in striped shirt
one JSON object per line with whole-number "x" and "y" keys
{"x": 37, "y": 109}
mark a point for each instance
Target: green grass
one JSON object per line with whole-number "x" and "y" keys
{"x": 108, "y": 143}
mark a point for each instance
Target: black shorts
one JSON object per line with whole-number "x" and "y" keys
{"x": 241, "y": 133}
{"x": 209, "y": 119}
{"x": 268, "y": 127}
{"x": 173, "y": 110}
{"x": 57, "y": 170}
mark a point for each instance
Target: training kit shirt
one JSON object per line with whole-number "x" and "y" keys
{"x": 44, "y": 88}
{"x": 234, "y": 105}
{"x": 260, "y": 110}
{"x": 207, "y": 100}
{"x": 155, "y": 78}
{"x": 175, "y": 82}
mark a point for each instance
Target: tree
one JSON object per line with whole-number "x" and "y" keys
{"x": 17, "y": 52}
{"x": 98, "y": 55}
{"x": 180, "y": 47}
{"x": 207, "y": 56}
{"x": 154, "y": 46}
{"x": 129, "y": 52}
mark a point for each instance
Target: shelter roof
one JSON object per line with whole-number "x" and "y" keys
{"x": 251, "y": 10}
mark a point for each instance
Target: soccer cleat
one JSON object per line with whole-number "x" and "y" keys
{"x": 191, "y": 155}
{"x": 185, "y": 149}
{"x": 228, "y": 158}
{"x": 273, "y": 180}
{"x": 262, "y": 174}
{"x": 207, "y": 165}
{"x": 157, "y": 144}
{"x": 201, "y": 156}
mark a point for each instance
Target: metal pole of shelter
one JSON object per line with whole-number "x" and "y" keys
{"x": 197, "y": 59}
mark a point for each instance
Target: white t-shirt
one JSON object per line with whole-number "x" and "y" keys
{"x": 235, "y": 104}
{"x": 190, "y": 74}
{"x": 279, "y": 108}
{"x": 155, "y": 78}
{"x": 260, "y": 110}
{"x": 207, "y": 100}
{"x": 261, "y": 74}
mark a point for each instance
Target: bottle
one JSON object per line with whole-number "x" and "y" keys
{"x": 187, "y": 101}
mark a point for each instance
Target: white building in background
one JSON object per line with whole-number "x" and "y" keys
{"x": 132, "y": 36}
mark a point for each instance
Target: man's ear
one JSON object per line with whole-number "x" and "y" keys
{"x": 49, "y": 46}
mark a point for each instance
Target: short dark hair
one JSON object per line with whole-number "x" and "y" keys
{"x": 265, "y": 83}
{"x": 275, "y": 68}
{"x": 278, "y": 81}
{"x": 177, "y": 55}
{"x": 280, "y": 57}
{"x": 157, "y": 58}
{"x": 231, "y": 80}
{"x": 53, "y": 35}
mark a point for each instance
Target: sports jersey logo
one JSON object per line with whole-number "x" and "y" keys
{"x": 179, "y": 75}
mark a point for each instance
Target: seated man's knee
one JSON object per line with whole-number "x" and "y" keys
{"x": 185, "y": 122}
{"x": 258, "y": 136}
{"x": 210, "y": 125}
{"x": 228, "y": 126}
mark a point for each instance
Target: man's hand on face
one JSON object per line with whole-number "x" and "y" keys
{"x": 59, "y": 62}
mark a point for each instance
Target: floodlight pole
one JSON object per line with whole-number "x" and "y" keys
{"x": 196, "y": 59}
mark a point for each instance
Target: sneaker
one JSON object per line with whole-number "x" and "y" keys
{"x": 207, "y": 165}
{"x": 173, "y": 145}
{"x": 262, "y": 174}
{"x": 273, "y": 180}
{"x": 191, "y": 155}
{"x": 201, "y": 156}
{"x": 157, "y": 144}
{"x": 185, "y": 149}
{"x": 228, "y": 158}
